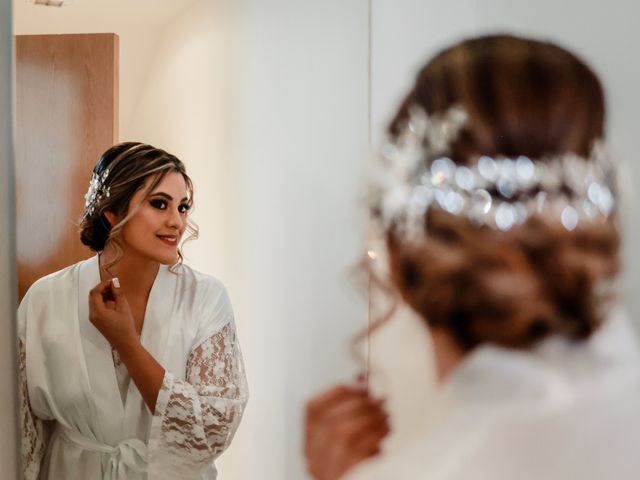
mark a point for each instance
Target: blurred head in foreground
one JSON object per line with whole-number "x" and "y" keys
{"x": 495, "y": 206}
{"x": 495, "y": 197}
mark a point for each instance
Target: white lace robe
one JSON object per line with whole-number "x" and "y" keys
{"x": 81, "y": 416}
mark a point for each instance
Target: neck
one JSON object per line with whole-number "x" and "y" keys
{"x": 136, "y": 274}
{"x": 446, "y": 351}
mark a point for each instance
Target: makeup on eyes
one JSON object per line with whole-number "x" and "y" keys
{"x": 155, "y": 199}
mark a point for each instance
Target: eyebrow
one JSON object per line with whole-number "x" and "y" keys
{"x": 167, "y": 196}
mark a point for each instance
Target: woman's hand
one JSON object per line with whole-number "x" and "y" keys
{"x": 109, "y": 312}
{"x": 343, "y": 426}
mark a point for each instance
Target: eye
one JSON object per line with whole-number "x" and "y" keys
{"x": 158, "y": 203}
{"x": 184, "y": 207}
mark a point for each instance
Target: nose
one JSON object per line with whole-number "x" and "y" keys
{"x": 174, "y": 219}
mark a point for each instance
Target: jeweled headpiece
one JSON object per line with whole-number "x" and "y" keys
{"x": 96, "y": 192}
{"x": 415, "y": 174}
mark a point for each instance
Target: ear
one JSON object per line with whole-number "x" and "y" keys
{"x": 111, "y": 218}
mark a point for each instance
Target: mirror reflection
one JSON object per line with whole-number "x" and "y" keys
{"x": 271, "y": 110}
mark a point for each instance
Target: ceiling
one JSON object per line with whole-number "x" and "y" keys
{"x": 91, "y": 15}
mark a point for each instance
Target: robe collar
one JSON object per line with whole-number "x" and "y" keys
{"x": 118, "y": 419}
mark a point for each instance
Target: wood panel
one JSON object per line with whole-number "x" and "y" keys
{"x": 66, "y": 116}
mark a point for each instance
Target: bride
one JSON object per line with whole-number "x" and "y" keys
{"x": 130, "y": 366}
{"x": 497, "y": 207}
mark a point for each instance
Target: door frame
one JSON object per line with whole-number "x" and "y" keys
{"x": 9, "y": 420}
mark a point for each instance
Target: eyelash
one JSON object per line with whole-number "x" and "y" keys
{"x": 162, "y": 205}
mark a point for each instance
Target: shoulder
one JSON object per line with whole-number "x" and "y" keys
{"x": 45, "y": 292}
{"x": 52, "y": 283}
{"x": 203, "y": 283}
{"x": 209, "y": 294}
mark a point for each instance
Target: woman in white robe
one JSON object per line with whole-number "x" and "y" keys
{"x": 117, "y": 389}
{"x": 496, "y": 208}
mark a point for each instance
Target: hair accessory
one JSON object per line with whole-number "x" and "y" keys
{"x": 415, "y": 174}
{"x": 96, "y": 192}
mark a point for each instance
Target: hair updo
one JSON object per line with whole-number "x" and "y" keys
{"x": 523, "y": 97}
{"x": 130, "y": 165}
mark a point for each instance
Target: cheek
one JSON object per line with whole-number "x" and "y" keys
{"x": 142, "y": 224}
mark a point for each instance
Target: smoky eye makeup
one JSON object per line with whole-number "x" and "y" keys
{"x": 159, "y": 203}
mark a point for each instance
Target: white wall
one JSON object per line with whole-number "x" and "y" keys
{"x": 267, "y": 103}
{"x": 8, "y": 284}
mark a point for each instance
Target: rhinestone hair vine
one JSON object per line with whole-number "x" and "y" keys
{"x": 96, "y": 192}
{"x": 415, "y": 174}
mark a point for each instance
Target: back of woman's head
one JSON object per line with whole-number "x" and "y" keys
{"x": 510, "y": 286}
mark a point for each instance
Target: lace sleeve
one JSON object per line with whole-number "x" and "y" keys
{"x": 35, "y": 432}
{"x": 196, "y": 419}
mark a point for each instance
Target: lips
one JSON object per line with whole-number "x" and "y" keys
{"x": 171, "y": 240}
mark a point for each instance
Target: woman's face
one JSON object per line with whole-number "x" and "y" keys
{"x": 155, "y": 230}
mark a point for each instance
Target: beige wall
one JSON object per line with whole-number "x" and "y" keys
{"x": 139, "y": 25}
{"x": 8, "y": 284}
{"x": 267, "y": 103}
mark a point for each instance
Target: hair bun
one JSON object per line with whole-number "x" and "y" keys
{"x": 95, "y": 232}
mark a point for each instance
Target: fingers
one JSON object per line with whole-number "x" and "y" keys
{"x": 99, "y": 288}
{"x": 120, "y": 299}
{"x": 365, "y": 447}
{"x": 108, "y": 295}
{"x": 333, "y": 397}
{"x": 367, "y": 420}
{"x": 344, "y": 426}
{"x": 347, "y": 407}
{"x": 369, "y": 432}
{"x": 97, "y": 294}
{"x": 352, "y": 406}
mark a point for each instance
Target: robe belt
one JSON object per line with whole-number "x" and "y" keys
{"x": 130, "y": 454}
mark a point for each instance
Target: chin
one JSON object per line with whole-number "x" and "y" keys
{"x": 167, "y": 259}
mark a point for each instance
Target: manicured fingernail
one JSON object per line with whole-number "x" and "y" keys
{"x": 115, "y": 282}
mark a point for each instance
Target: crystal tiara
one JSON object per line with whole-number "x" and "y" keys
{"x": 415, "y": 174}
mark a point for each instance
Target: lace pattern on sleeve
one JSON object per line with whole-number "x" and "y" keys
{"x": 35, "y": 432}
{"x": 196, "y": 419}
